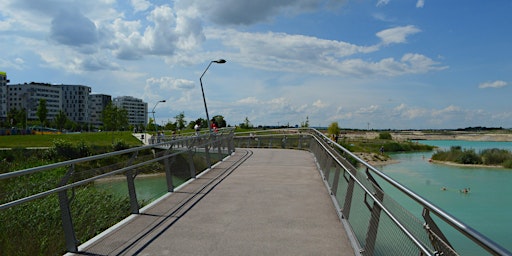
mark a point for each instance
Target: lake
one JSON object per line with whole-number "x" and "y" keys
{"x": 485, "y": 208}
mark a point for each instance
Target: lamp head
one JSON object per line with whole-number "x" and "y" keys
{"x": 162, "y": 101}
{"x": 220, "y": 61}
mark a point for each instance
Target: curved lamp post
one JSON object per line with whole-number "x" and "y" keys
{"x": 220, "y": 61}
{"x": 154, "y": 120}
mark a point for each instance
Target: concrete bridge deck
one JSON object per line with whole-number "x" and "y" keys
{"x": 256, "y": 202}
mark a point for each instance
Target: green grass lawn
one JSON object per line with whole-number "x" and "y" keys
{"x": 91, "y": 138}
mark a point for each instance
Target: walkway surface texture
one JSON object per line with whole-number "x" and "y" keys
{"x": 256, "y": 202}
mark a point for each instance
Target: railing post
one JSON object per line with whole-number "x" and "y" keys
{"x": 327, "y": 170}
{"x": 373, "y": 225}
{"x": 436, "y": 236}
{"x": 219, "y": 147}
{"x": 67, "y": 222}
{"x": 65, "y": 212}
{"x": 231, "y": 144}
{"x": 191, "y": 164}
{"x": 207, "y": 152}
{"x": 168, "y": 174}
{"x": 134, "y": 204}
{"x": 334, "y": 188}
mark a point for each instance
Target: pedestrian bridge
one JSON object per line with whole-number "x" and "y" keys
{"x": 282, "y": 192}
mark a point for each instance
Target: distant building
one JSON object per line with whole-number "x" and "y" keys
{"x": 75, "y": 102}
{"x": 97, "y": 103}
{"x": 137, "y": 109}
{"x": 27, "y": 96}
{"x": 3, "y": 95}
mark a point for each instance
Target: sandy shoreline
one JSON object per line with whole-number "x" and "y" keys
{"x": 466, "y": 165}
{"x": 422, "y": 135}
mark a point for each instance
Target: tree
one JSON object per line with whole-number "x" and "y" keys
{"x": 202, "y": 123}
{"x": 180, "y": 120}
{"x": 114, "y": 118}
{"x": 42, "y": 111}
{"x": 333, "y": 129}
{"x": 246, "y": 124}
{"x": 220, "y": 121}
{"x": 60, "y": 120}
{"x": 170, "y": 126}
{"x": 15, "y": 117}
{"x": 306, "y": 123}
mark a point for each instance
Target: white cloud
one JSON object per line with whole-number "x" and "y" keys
{"x": 248, "y": 100}
{"x": 447, "y": 111}
{"x": 406, "y": 112}
{"x": 397, "y": 34}
{"x": 169, "y": 31}
{"x": 168, "y": 83}
{"x": 306, "y": 54}
{"x": 493, "y": 84}
{"x": 368, "y": 110}
{"x": 382, "y": 2}
{"x": 420, "y": 3}
{"x": 140, "y": 5}
{"x": 320, "y": 104}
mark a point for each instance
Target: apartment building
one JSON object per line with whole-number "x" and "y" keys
{"x": 75, "y": 102}
{"x": 97, "y": 103}
{"x": 27, "y": 96}
{"x": 137, "y": 109}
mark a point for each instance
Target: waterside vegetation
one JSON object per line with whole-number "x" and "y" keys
{"x": 375, "y": 150}
{"x": 487, "y": 157}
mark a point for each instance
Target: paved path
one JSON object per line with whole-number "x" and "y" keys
{"x": 257, "y": 202}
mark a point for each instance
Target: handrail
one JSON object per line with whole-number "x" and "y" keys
{"x": 187, "y": 146}
{"x": 327, "y": 144}
{"x": 469, "y": 232}
{"x": 378, "y": 201}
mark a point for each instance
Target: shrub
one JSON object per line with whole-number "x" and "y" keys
{"x": 495, "y": 156}
{"x": 385, "y": 136}
{"x": 469, "y": 157}
{"x": 508, "y": 164}
{"x": 120, "y": 145}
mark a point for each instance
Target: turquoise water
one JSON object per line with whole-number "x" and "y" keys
{"x": 148, "y": 188}
{"x": 486, "y": 208}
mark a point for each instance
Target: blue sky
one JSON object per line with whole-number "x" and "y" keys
{"x": 382, "y": 64}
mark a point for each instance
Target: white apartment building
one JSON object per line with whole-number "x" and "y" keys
{"x": 137, "y": 109}
{"x": 97, "y": 103}
{"x": 27, "y": 96}
{"x": 77, "y": 102}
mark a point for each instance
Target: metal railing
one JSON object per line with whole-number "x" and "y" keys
{"x": 365, "y": 200}
{"x": 177, "y": 159}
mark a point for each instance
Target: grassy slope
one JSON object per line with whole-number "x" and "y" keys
{"x": 93, "y": 138}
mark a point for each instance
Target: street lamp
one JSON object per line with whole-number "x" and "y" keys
{"x": 154, "y": 120}
{"x": 220, "y": 61}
